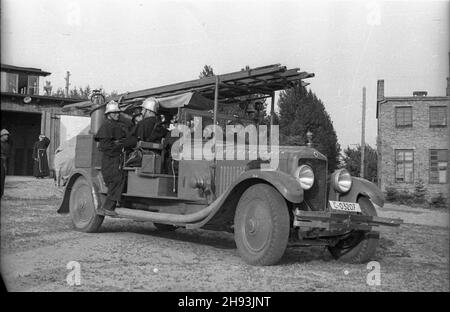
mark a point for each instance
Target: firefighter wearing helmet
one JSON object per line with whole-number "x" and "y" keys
{"x": 149, "y": 129}
{"x": 113, "y": 138}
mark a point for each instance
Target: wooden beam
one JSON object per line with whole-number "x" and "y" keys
{"x": 261, "y": 71}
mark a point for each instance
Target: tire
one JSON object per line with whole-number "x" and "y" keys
{"x": 359, "y": 246}
{"x": 82, "y": 209}
{"x": 164, "y": 227}
{"x": 261, "y": 225}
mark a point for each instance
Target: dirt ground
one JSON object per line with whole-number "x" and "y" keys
{"x": 37, "y": 244}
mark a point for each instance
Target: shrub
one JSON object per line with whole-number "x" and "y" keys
{"x": 419, "y": 192}
{"x": 439, "y": 201}
{"x": 391, "y": 193}
{"x": 405, "y": 198}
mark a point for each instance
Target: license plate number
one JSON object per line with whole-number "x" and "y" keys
{"x": 345, "y": 206}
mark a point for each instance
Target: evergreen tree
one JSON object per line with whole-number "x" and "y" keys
{"x": 352, "y": 162}
{"x": 207, "y": 71}
{"x": 419, "y": 192}
{"x": 301, "y": 111}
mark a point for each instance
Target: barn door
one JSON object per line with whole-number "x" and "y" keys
{"x": 50, "y": 126}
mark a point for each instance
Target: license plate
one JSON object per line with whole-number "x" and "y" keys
{"x": 345, "y": 206}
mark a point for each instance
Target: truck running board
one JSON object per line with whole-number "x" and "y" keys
{"x": 168, "y": 218}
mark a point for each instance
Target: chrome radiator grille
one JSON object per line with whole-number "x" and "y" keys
{"x": 316, "y": 196}
{"x": 226, "y": 175}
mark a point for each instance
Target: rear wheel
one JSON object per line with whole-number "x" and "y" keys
{"x": 358, "y": 246}
{"x": 261, "y": 225}
{"x": 82, "y": 208}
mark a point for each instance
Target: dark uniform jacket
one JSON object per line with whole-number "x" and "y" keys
{"x": 6, "y": 149}
{"x": 150, "y": 130}
{"x": 113, "y": 137}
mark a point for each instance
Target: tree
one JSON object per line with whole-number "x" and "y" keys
{"x": 59, "y": 93}
{"x": 83, "y": 93}
{"x": 301, "y": 111}
{"x": 48, "y": 88}
{"x": 206, "y": 72}
{"x": 80, "y": 93}
{"x": 352, "y": 162}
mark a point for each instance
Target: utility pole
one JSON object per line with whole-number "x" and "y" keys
{"x": 363, "y": 132}
{"x": 66, "y": 93}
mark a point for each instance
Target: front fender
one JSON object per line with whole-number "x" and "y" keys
{"x": 363, "y": 187}
{"x": 285, "y": 183}
{"x": 95, "y": 181}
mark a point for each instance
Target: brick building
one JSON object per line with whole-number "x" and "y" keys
{"x": 413, "y": 141}
{"x": 26, "y": 114}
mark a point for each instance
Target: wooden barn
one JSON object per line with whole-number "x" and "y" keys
{"x": 26, "y": 114}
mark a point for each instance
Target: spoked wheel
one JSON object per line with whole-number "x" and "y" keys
{"x": 164, "y": 227}
{"x": 358, "y": 246}
{"x": 81, "y": 207}
{"x": 261, "y": 225}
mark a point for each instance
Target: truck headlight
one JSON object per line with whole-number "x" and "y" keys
{"x": 342, "y": 180}
{"x": 305, "y": 176}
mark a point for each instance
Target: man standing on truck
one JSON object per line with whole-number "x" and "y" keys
{"x": 113, "y": 138}
{"x": 150, "y": 129}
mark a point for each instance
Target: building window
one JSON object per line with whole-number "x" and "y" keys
{"x": 404, "y": 166}
{"x": 438, "y": 166}
{"x": 9, "y": 82}
{"x": 33, "y": 85}
{"x": 438, "y": 116}
{"x": 403, "y": 116}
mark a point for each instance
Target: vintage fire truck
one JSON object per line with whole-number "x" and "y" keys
{"x": 295, "y": 204}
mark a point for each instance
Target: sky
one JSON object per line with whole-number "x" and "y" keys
{"x": 135, "y": 44}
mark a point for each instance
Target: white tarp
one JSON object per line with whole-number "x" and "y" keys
{"x": 64, "y": 160}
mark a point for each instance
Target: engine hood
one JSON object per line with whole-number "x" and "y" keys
{"x": 287, "y": 152}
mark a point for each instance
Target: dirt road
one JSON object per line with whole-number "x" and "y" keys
{"x": 37, "y": 244}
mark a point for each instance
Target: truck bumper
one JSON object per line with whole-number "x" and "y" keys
{"x": 340, "y": 221}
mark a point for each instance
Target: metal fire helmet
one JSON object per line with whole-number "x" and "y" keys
{"x": 151, "y": 104}
{"x": 112, "y": 107}
{"x": 4, "y": 132}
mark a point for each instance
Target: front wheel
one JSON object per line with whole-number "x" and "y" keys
{"x": 261, "y": 225}
{"x": 82, "y": 208}
{"x": 358, "y": 246}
